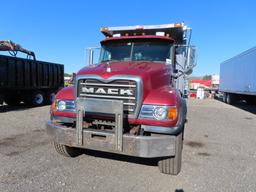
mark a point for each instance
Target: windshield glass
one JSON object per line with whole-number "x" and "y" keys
{"x": 136, "y": 51}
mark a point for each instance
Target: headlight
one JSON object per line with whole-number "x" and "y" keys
{"x": 61, "y": 105}
{"x": 65, "y": 105}
{"x": 157, "y": 112}
{"x": 160, "y": 113}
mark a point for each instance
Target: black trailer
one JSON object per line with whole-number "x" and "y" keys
{"x": 31, "y": 81}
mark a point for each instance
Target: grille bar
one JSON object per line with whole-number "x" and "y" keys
{"x": 108, "y": 85}
{"x": 132, "y": 104}
{"x": 107, "y": 96}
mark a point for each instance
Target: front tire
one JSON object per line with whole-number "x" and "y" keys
{"x": 172, "y": 165}
{"x": 67, "y": 151}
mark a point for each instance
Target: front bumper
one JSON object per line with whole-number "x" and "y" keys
{"x": 139, "y": 146}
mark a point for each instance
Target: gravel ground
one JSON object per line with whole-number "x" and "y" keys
{"x": 219, "y": 155}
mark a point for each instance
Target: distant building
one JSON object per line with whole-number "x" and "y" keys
{"x": 66, "y": 79}
{"x": 215, "y": 81}
{"x": 196, "y": 83}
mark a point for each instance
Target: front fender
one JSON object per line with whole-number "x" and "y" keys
{"x": 67, "y": 93}
{"x": 163, "y": 96}
{"x": 170, "y": 97}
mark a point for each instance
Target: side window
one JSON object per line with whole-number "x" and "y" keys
{"x": 107, "y": 56}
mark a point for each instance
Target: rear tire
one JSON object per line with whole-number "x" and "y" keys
{"x": 250, "y": 101}
{"x": 172, "y": 165}
{"x": 224, "y": 98}
{"x": 49, "y": 97}
{"x": 67, "y": 151}
{"x": 35, "y": 99}
{"x": 230, "y": 99}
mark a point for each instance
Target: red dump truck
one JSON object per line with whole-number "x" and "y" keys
{"x": 133, "y": 101}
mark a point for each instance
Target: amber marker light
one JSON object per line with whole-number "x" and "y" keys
{"x": 178, "y": 24}
{"x": 54, "y": 105}
{"x": 104, "y": 28}
{"x": 172, "y": 113}
{"x": 139, "y": 27}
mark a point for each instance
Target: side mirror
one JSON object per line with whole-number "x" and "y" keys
{"x": 175, "y": 71}
{"x": 93, "y": 52}
{"x": 191, "y": 60}
{"x": 185, "y": 60}
{"x": 189, "y": 71}
{"x": 91, "y": 56}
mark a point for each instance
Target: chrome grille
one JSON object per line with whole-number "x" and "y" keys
{"x": 125, "y": 90}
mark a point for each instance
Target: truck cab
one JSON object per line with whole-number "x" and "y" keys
{"x": 133, "y": 101}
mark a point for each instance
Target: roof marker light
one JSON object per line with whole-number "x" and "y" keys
{"x": 104, "y": 28}
{"x": 139, "y": 27}
{"x": 178, "y": 24}
{"x": 117, "y": 35}
{"x": 160, "y": 33}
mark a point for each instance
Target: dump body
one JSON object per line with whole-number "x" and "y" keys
{"x": 19, "y": 73}
{"x": 20, "y": 77}
{"x": 237, "y": 77}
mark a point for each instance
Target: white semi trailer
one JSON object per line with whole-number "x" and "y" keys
{"x": 238, "y": 78}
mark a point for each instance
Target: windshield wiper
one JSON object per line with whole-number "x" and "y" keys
{"x": 110, "y": 60}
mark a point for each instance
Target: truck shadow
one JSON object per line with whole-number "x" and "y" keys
{"x": 7, "y": 108}
{"x": 246, "y": 107}
{"x": 242, "y": 105}
{"x": 125, "y": 158}
{"x": 20, "y": 107}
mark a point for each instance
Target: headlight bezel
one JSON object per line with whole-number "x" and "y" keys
{"x": 69, "y": 105}
{"x": 149, "y": 112}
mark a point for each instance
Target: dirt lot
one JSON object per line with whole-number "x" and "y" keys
{"x": 219, "y": 155}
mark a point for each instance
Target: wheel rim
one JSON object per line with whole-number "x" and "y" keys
{"x": 39, "y": 99}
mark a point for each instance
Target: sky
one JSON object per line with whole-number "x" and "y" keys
{"x": 59, "y": 31}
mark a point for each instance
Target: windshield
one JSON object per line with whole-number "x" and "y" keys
{"x": 135, "y": 51}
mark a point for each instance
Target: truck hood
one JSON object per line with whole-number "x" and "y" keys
{"x": 153, "y": 74}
